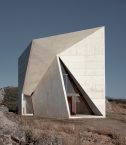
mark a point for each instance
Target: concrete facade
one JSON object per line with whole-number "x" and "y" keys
{"x": 58, "y": 70}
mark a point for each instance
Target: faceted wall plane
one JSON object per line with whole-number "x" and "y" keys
{"x": 64, "y": 75}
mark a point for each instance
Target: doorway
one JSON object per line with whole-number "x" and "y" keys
{"x": 27, "y": 107}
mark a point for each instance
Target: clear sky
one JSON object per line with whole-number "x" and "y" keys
{"x": 21, "y": 21}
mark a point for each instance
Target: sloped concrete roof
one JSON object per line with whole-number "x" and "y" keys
{"x": 44, "y": 50}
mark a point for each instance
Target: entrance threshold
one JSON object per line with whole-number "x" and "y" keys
{"x": 85, "y": 116}
{"x": 27, "y": 114}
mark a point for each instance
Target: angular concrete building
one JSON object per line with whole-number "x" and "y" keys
{"x": 63, "y": 76}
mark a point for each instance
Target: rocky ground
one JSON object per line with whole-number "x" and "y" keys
{"x": 17, "y": 130}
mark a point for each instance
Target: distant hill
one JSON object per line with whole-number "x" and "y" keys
{"x": 115, "y": 99}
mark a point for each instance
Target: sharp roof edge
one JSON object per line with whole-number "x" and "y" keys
{"x": 68, "y": 33}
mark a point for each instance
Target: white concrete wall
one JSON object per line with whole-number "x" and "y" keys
{"x": 86, "y": 61}
{"x": 49, "y": 99}
{"x": 22, "y": 69}
{"x": 44, "y": 50}
{"x": 83, "y": 52}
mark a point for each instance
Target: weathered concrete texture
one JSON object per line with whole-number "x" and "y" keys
{"x": 44, "y": 50}
{"x": 48, "y": 99}
{"x": 83, "y": 53}
{"x": 86, "y": 62}
{"x": 22, "y": 70}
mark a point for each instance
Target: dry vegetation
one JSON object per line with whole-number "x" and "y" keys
{"x": 10, "y": 94}
{"x": 110, "y": 131}
{"x": 43, "y": 131}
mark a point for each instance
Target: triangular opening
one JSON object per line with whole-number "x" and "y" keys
{"x": 77, "y": 104}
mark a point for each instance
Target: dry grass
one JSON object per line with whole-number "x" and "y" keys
{"x": 42, "y": 131}
{"x": 110, "y": 131}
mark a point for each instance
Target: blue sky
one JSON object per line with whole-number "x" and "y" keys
{"x": 22, "y": 21}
